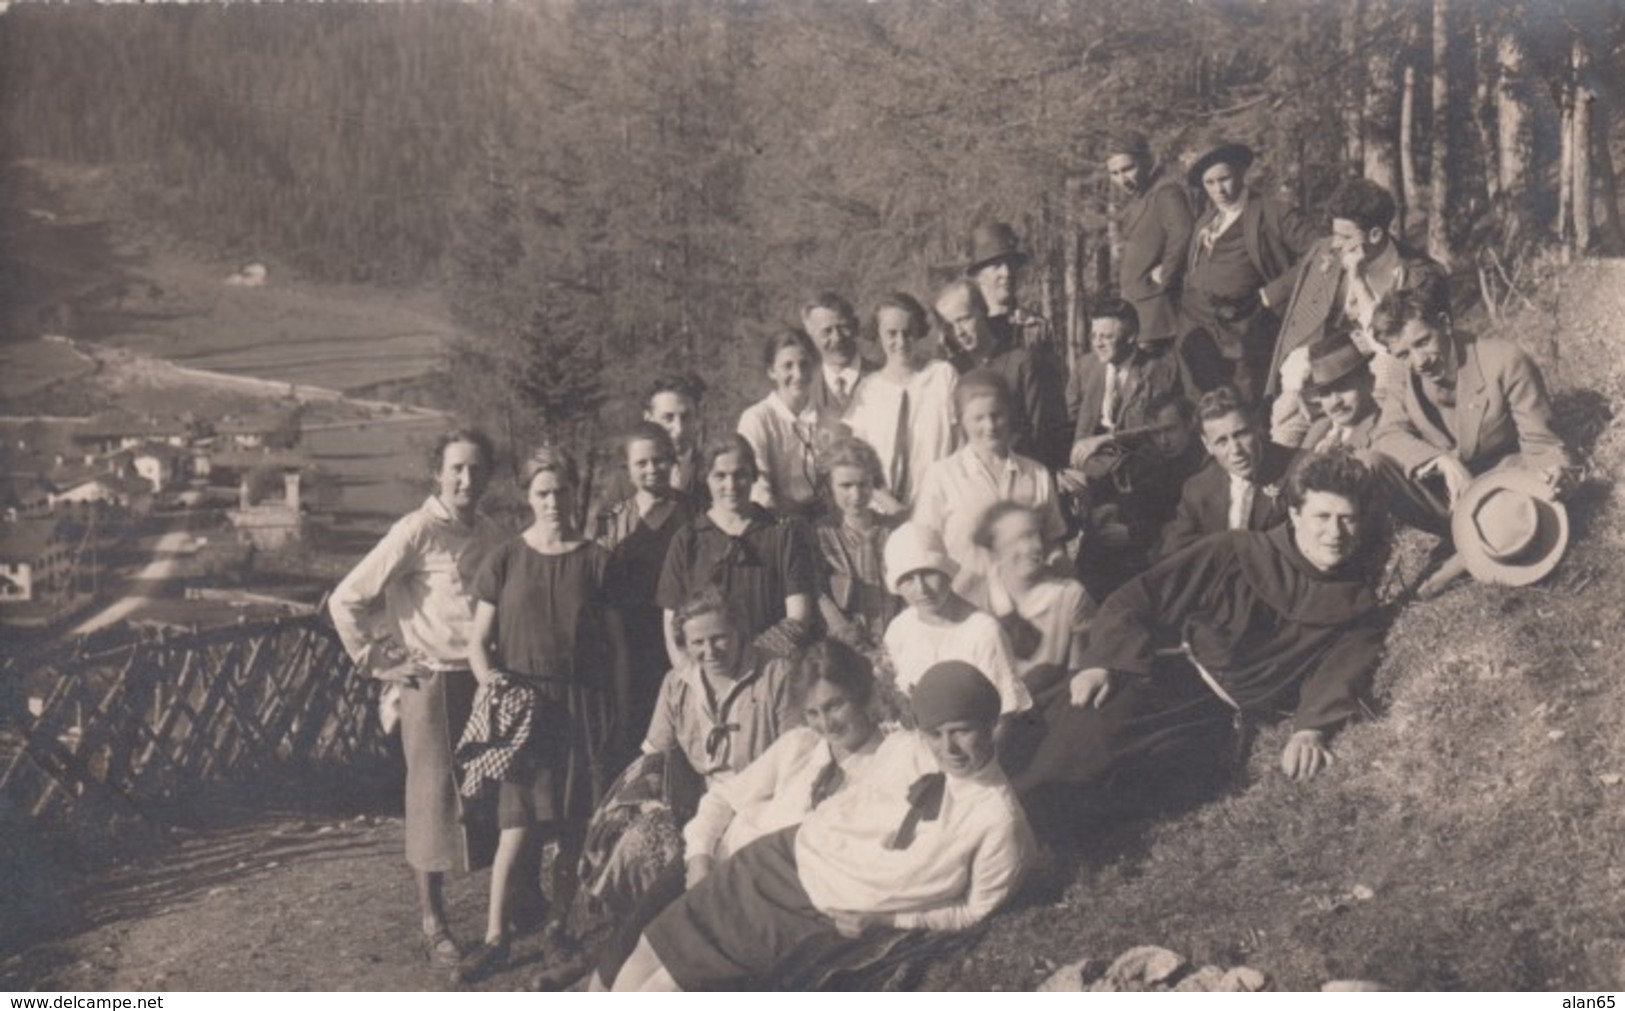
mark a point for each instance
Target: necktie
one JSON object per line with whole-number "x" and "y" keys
{"x": 924, "y": 804}
{"x": 1108, "y": 409}
{"x": 840, "y": 388}
{"x": 830, "y": 779}
{"x": 898, "y": 478}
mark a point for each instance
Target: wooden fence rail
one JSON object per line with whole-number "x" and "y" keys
{"x": 131, "y": 723}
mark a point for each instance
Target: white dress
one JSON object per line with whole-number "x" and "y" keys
{"x": 932, "y": 433}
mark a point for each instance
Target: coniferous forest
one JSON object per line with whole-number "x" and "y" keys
{"x": 603, "y": 189}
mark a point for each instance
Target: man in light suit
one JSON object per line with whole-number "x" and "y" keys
{"x": 1238, "y": 275}
{"x": 1467, "y": 405}
{"x": 832, "y": 324}
{"x": 1241, "y": 486}
{"x": 1155, "y": 226}
{"x": 1340, "y": 385}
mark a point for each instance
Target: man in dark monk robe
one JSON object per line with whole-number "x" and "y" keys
{"x": 1244, "y": 624}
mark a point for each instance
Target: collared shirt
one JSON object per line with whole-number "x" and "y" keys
{"x": 416, "y": 587}
{"x": 773, "y": 792}
{"x": 721, "y": 734}
{"x": 842, "y": 382}
{"x": 960, "y": 866}
{"x": 1113, "y": 397}
{"x": 1222, "y": 222}
{"x": 959, "y": 488}
{"x": 786, "y": 446}
{"x": 1242, "y": 492}
{"x": 915, "y": 647}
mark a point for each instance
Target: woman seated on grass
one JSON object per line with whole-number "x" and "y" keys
{"x": 932, "y": 840}
{"x": 804, "y": 768}
{"x": 855, "y": 603}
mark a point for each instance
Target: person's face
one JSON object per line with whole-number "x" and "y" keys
{"x": 1170, "y": 435}
{"x": 833, "y": 715}
{"x": 1126, "y": 172}
{"x": 463, "y": 475}
{"x": 1112, "y": 340}
{"x": 551, "y": 499}
{"x": 791, "y": 373}
{"x": 676, "y": 414}
{"x": 961, "y": 747}
{"x": 986, "y": 423}
{"x": 968, "y": 326}
{"x": 998, "y": 283}
{"x": 729, "y": 481}
{"x": 1352, "y": 242}
{"x": 835, "y": 335}
{"x": 1425, "y": 349}
{"x": 925, "y": 590}
{"x": 1236, "y": 443}
{"x": 1347, "y": 400}
{"x": 1223, "y": 184}
{"x": 712, "y": 644}
{"x": 1326, "y": 529}
{"x": 1018, "y": 545}
{"x": 649, "y": 466}
{"x": 897, "y": 339}
{"x": 852, "y": 488}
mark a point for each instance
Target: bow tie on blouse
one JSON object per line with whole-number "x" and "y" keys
{"x": 924, "y": 804}
{"x": 716, "y": 742}
{"x": 1025, "y": 638}
{"x": 830, "y": 779}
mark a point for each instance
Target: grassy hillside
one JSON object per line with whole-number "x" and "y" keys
{"x": 1484, "y": 810}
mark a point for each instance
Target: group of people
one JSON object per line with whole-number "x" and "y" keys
{"x": 786, "y": 700}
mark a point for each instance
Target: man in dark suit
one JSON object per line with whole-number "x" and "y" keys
{"x": 1155, "y": 227}
{"x": 1240, "y": 488}
{"x": 996, "y": 261}
{"x": 1238, "y": 273}
{"x": 832, "y": 324}
{"x": 1467, "y": 405}
{"x": 1040, "y": 424}
{"x": 1117, "y": 383}
{"x": 1337, "y": 288}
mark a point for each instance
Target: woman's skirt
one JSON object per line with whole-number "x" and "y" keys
{"x": 557, "y": 779}
{"x": 433, "y": 711}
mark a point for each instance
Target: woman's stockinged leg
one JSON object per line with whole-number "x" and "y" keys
{"x": 645, "y": 973}
{"x": 431, "y": 900}
{"x": 510, "y": 849}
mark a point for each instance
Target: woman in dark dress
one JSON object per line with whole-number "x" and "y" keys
{"x": 637, "y": 531}
{"x": 765, "y": 567}
{"x": 543, "y": 645}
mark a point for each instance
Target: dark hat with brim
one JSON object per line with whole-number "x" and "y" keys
{"x": 1508, "y": 528}
{"x": 1238, "y": 156}
{"x": 992, "y": 242}
{"x": 1330, "y": 360}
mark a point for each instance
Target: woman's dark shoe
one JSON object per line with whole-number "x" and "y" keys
{"x": 481, "y": 962}
{"x": 441, "y": 950}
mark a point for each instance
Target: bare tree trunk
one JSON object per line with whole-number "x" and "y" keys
{"x": 1382, "y": 113}
{"x": 1410, "y": 190}
{"x": 1516, "y": 132}
{"x": 1613, "y": 227}
{"x": 1565, "y": 173}
{"x": 1484, "y": 103}
{"x": 1580, "y": 130}
{"x": 1354, "y": 129}
{"x": 1439, "y": 172}
{"x": 1069, "y": 329}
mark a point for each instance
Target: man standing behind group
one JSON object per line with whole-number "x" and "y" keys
{"x": 1155, "y": 226}
{"x": 832, "y": 324}
{"x": 996, "y": 259}
{"x": 673, "y": 403}
{"x": 1238, "y": 273}
{"x": 1039, "y": 424}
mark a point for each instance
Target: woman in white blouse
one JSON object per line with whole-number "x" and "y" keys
{"x": 906, "y": 409}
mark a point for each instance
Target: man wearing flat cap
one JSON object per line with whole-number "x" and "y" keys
{"x": 1238, "y": 274}
{"x": 996, "y": 260}
{"x": 1155, "y": 227}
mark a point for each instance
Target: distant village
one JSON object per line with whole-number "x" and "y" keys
{"x": 73, "y": 492}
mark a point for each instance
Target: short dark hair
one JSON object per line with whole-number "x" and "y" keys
{"x": 1338, "y": 472}
{"x": 1132, "y": 143}
{"x": 919, "y": 321}
{"x": 1363, "y": 202}
{"x": 1424, "y": 298}
{"x": 684, "y": 384}
{"x": 1174, "y": 399}
{"x": 1112, "y": 307}
{"x": 851, "y": 451}
{"x": 1222, "y": 401}
{"x": 981, "y": 383}
{"x": 733, "y": 442}
{"x": 982, "y": 536}
{"x": 472, "y": 436}
{"x": 648, "y": 431}
{"x": 788, "y": 338}
{"x": 842, "y": 666}
{"x": 834, "y": 303}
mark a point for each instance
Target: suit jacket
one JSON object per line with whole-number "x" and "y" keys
{"x": 1156, "y": 230}
{"x": 1037, "y": 381}
{"x": 828, "y": 404}
{"x": 1501, "y": 408}
{"x": 1318, "y": 293}
{"x": 1364, "y": 431}
{"x": 1151, "y": 373}
{"x": 1277, "y": 235}
{"x": 1204, "y": 508}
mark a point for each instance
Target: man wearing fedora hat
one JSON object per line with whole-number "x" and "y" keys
{"x": 1340, "y": 386}
{"x": 1238, "y": 274}
{"x": 1466, "y": 406}
{"x": 1155, "y": 228}
{"x": 996, "y": 259}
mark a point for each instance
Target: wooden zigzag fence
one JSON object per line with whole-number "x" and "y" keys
{"x": 133, "y": 724}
